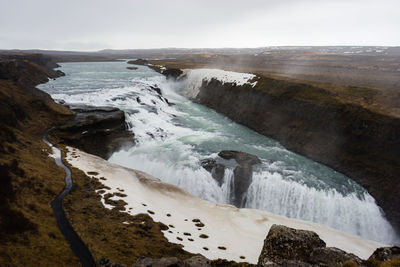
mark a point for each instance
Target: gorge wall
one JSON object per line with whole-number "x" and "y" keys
{"x": 362, "y": 144}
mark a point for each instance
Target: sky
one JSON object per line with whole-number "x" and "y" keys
{"x": 90, "y": 25}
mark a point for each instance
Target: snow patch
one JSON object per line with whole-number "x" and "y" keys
{"x": 196, "y": 77}
{"x": 198, "y": 224}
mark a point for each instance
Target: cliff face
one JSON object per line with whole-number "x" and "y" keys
{"x": 360, "y": 143}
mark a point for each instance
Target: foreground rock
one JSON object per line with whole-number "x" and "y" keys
{"x": 96, "y": 130}
{"x": 285, "y": 246}
{"x": 243, "y": 172}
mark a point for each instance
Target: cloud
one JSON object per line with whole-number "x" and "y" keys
{"x": 95, "y": 24}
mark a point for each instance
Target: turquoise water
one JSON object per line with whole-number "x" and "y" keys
{"x": 172, "y": 140}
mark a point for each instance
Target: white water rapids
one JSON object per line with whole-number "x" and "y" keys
{"x": 172, "y": 140}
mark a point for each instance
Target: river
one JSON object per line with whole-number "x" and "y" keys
{"x": 173, "y": 139}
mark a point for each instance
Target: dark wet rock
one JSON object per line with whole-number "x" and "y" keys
{"x": 169, "y": 103}
{"x": 96, "y": 130}
{"x": 243, "y": 173}
{"x": 284, "y": 243}
{"x": 243, "y": 176}
{"x": 138, "y": 62}
{"x": 242, "y": 158}
{"x": 132, "y": 111}
{"x": 208, "y": 164}
{"x": 158, "y": 90}
{"x": 218, "y": 173}
{"x": 332, "y": 257}
{"x": 217, "y": 170}
{"x": 386, "y": 253}
{"x": 132, "y": 68}
{"x": 172, "y": 73}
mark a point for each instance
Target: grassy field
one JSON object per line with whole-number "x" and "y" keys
{"x": 372, "y": 81}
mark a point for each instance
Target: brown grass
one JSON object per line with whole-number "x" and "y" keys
{"x": 32, "y": 237}
{"x": 330, "y": 79}
{"x": 104, "y": 232}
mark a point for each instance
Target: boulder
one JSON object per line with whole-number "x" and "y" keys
{"x": 285, "y": 246}
{"x": 96, "y": 130}
{"x": 332, "y": 257}
{"x": 386, "y": 253}
{"x": 284, "y": 243}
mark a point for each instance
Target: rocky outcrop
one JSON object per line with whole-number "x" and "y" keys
{"x": 285, "y": 246}
{"x": 361, "y": 143}
{"x": 172, "y": 73}
{"x": 243, "y": 172}
{"x": 96, "y": 130}
{"x": 217, "y": 170}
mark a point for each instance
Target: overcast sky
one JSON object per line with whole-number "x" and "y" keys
{"x": 120, "y": 24}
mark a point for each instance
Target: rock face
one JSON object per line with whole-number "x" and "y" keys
{"x": 96, "y": 130}
{"x": 243, "y": 172}
{"x": 353, "y": 140}
{"x": 285, "y": 246}
{"x": 172, "y": 73}
{"x": 217, "y": 170}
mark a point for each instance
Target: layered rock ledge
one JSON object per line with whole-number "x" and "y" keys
{"x": 96, "y": 130}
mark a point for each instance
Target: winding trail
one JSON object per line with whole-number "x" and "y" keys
{"x": 75, "y": 242}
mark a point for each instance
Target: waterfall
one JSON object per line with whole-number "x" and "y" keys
{"x": 269, "y": 191}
